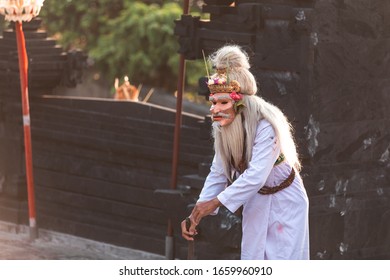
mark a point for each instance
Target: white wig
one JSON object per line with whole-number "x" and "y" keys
{"x": 236, "y": 61}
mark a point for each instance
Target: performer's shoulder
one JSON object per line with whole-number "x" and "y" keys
{"x": 263, "y": 123}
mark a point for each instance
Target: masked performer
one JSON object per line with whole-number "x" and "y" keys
{"x": 255, "y": 166}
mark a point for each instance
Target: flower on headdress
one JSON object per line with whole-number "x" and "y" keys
{"x": 235, "y": 96}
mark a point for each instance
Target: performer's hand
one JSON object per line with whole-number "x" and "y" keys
{"x": 204, "y": 208}
{"x": 188, "y": 233}
{"x": 200, "y": 210}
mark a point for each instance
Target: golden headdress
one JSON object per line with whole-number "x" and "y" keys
{"x": 220, "y": 83}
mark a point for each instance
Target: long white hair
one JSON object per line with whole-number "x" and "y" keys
{"x": 234, "y": 142}
{"x": 257, "y": 109}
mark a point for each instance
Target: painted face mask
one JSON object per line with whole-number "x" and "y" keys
{"x": 222, "y": 108}
{"x": 225, "y": 97}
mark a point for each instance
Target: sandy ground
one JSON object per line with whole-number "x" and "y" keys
{"x": 15, "y": 244}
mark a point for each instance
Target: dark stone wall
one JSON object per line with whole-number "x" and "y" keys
{"x": 347, "y": 130}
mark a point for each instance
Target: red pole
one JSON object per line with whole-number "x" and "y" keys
{"x": 23, "y": 71}
{"x": 179, "y": 102}
{"x": 169, "y": 243}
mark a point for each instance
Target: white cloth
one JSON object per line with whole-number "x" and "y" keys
{"x": 275, "y": 226}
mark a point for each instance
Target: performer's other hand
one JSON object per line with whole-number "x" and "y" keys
{"x": 189, "y": 233}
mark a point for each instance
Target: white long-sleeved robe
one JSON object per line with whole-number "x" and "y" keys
{"x": 274, "y": 226}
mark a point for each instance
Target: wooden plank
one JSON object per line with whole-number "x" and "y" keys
{"x": 85, "y": 145}
{"x": 148, "y": 138}
{"x": 113, "y": 107}
{"x": 103, "y": 220}
{"x": 110, "y": 123}
{"x": 130, "y": 192}
{"x": 99, "y": 205}
{"x": 110, "y": 235}
{"x": 96, "y": 167}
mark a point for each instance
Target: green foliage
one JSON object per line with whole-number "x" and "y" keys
{"x": 141, "y": 44}
{"x": 123, "y": 37}
{"x": 78, "y": 24}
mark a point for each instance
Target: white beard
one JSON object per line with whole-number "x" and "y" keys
{"x": 229, "y": 143}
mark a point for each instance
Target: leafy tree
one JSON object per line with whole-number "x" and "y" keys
{"x": 79, "y": 24}
{"x": 123, "y": 37}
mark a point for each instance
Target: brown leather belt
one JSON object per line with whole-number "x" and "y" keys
{"x": 283, "y": 185}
